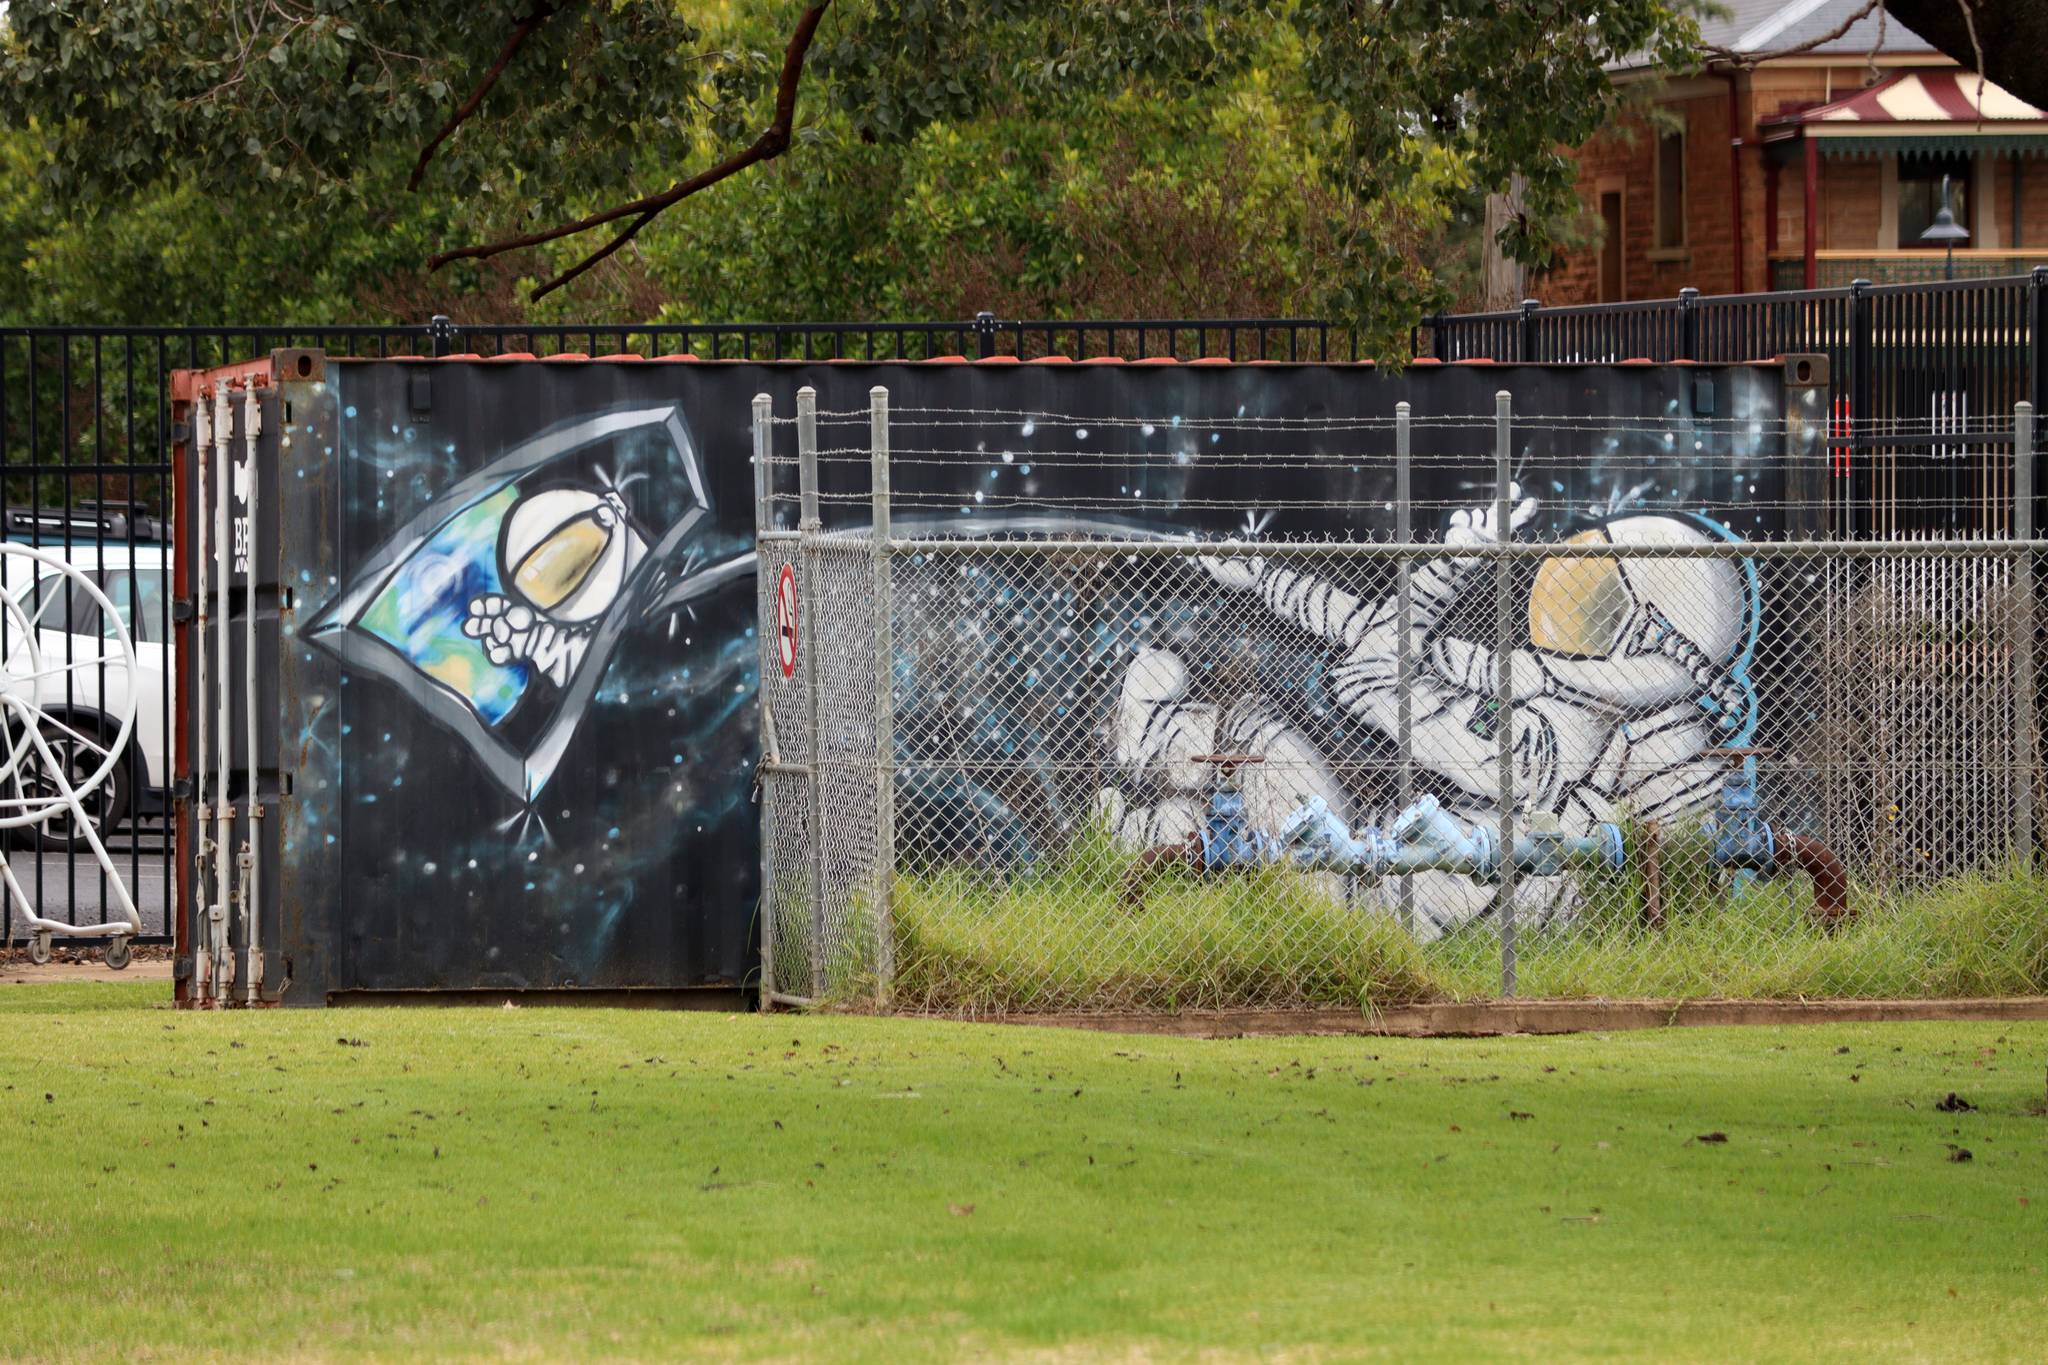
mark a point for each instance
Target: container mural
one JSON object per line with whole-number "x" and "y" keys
{"x": 510, "y": 724}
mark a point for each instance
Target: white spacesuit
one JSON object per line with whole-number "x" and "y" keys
{"x": 564, "y": 553}
{"x": 1635, "y": 668}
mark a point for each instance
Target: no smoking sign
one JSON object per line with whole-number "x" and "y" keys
{"x": 785, "y": 619}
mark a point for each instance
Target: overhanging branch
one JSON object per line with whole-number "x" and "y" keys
{"x": 773, "y": 142}
{"x": 542, "y": 12}
{"x": 1729, "y": 54}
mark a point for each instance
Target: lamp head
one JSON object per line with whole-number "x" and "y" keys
{"x": 1945, "y": 228}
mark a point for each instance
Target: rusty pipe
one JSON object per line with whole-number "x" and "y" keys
{"x": 1830, "y": 878}
{"x": 1652, "y": 861}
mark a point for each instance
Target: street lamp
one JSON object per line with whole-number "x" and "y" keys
{"x": 1946, "y": 230}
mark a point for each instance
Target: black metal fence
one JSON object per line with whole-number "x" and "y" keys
{"x": 85, "y": 436}
{"x": 1917, "y": 369}
{"x": 85, "y": 449}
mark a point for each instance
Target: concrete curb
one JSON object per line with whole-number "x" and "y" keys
{"x": 25, "y": 973}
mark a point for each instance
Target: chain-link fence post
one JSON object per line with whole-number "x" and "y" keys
{"x": 885, "y": 702}
{"x": 2025, "y": 680}
{"x": 1862, "y": 415}
{"x": 764, "y": 521}
{"x": 1504, "y": 679}
{"x": 1404, "y": 663}
{"x": 812, "y": 530}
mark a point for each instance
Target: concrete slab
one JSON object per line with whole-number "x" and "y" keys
{"x": 17, "y": 970}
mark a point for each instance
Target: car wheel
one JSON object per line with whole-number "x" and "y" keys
{"x": 106, "y": 806}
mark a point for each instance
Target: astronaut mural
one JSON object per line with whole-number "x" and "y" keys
{"x": 497, "y": 606}
{"x": 518, "y": 683}
{"x": 1628, "y": 672}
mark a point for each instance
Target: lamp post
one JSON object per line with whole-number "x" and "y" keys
{"x": 1946, "y": 230}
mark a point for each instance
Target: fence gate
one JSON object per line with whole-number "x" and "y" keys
{"x": 825, "y": 781}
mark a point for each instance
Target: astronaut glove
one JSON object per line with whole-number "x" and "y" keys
{"x": 511, "y": 632}
{"x": 1473, "y": 526}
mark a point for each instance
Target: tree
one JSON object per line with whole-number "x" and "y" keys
{"x": 529, "y": 119}
{"x": 2001, "y": 39}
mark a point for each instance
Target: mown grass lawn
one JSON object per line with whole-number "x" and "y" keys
{"x": 554, "y": 1183}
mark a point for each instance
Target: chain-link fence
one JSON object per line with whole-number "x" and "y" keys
{"x": 1486, "y": 742}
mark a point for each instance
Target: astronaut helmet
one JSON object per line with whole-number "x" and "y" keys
{"x": 1601, "y": 607}
{"x": 566, "y": 551}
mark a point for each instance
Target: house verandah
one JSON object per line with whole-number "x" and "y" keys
{"x": 1807, "y": 171}
{"x": 1866, "y": 177}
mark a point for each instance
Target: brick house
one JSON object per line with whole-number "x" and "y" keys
{"x": 1809, "y": 170}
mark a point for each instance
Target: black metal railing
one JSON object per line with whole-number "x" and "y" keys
{"x": 1839, "y": 269}
{"x": 1915, "y": 367}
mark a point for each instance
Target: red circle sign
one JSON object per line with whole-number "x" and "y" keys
{"x": 785, "y": 619}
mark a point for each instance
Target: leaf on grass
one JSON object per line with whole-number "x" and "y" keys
{"x": 1960, "y": 1154}
{"x": 959, "y": 1210}
{"x": 1715, "y": 1136}
{"x": 1520, "y": 1114}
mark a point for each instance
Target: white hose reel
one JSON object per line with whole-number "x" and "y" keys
{"x": 37, "y": 784}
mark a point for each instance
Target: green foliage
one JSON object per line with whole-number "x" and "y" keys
{"x": 900, "y": 66}
{"x": 1049, "y": 157}
{"x": 178, "y": 254}
{"x": 1201, "y": 207}
{"x": 332, "y": 98}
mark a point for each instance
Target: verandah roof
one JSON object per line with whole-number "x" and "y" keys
{"x": 1924, "y": 111}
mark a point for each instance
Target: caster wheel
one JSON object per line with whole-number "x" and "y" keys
{"x": 117, "y": 955}
{"x": 39, "y": 949}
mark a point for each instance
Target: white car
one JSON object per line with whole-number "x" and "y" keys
{"x": 71, "y": 630}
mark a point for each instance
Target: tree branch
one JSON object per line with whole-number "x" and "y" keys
{"x": 773, "y": 142}
{"x": 1976, "y": 50}
{"x": 542, "y": 12}
{"x": 1729, "y": 54}
{"x": 2004, "y": 39}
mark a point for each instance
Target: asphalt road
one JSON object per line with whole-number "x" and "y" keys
{"x": 74, "y": 890}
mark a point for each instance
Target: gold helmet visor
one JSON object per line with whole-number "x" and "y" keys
{"x": 557, "y": 566}
{"x": 1578, "y": 606}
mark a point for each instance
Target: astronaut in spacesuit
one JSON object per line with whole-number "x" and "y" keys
{"x": 564, "y": 554}
{"x": 1634, "y": 670}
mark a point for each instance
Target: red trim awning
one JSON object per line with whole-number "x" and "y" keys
{"x": 1919, "y": 111}
{"x": 1923, "y": 96}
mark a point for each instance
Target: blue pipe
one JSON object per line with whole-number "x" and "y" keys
{"x": 1427, "y": 838}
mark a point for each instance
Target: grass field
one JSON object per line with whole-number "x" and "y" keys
{"x": 554, "y": 1183}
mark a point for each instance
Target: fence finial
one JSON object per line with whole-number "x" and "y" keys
{"x": 442, "y": 334}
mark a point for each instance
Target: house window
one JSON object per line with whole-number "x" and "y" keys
{"x": 1920, "y": 195}
{"x": 1670, "y": 227}
{"x": 1613, "y": 284}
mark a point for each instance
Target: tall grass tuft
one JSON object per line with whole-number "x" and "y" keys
{"x": 1061, "y": 937}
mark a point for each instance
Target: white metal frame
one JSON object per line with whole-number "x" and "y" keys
{"x": 25, "y": 721}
